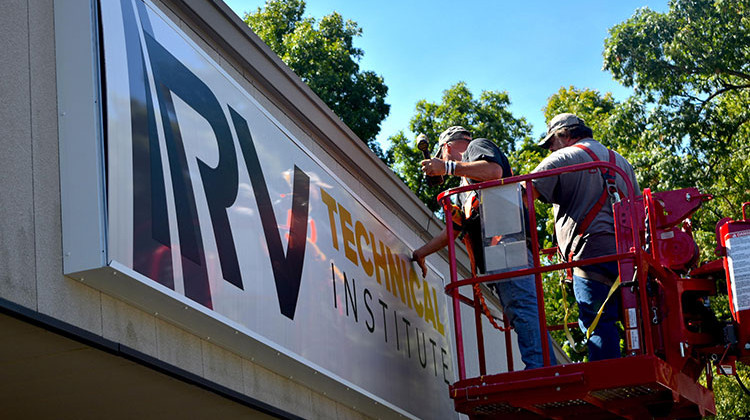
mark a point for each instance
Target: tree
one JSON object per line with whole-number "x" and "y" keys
{"x": 323, "y": 56}
{"x": 487, "y": 116}
{"x": 692, "y": 65}
{"x": 731, "y": 401}
{"x": 695, "y": 53}
{"x": 588, "y": 104}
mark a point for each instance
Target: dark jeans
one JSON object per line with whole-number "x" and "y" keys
{"x": 604, "y": 342}
{"x": 518, "y": 297}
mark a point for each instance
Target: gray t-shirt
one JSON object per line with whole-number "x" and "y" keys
{"x": 573, "y": 194}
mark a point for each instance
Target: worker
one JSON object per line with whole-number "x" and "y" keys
{"x": 474, "y": 161}
{"x": 584, "y": 223}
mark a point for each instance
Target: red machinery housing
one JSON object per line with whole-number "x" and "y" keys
{"x": 671, "y": 334}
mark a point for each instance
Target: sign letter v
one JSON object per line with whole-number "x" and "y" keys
{"x": 287, "y": 268}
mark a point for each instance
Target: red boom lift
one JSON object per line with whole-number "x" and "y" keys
{"x": 671, "y": 335}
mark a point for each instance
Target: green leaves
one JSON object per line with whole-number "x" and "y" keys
{"x": 323, "y": 55}
{"x": 691, "y": 67}
{"x": 278, "y": 19}
{"x": 694, "y": 53}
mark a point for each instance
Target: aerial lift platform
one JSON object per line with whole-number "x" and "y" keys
{"x": 671, "y": 335}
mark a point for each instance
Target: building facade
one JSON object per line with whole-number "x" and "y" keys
{"x": 187, "y": 230}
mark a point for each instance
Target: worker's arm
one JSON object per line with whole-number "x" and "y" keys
{"x": 534, "y": 192}
{"x": 434, "y": 244}
{"x": 479, "y": 170}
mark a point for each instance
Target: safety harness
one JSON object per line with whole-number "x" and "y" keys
{"x": 611, "y": 193}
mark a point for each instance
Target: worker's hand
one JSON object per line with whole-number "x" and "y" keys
{"x": 433, "y": 167}
{"x": 417, "y": 257}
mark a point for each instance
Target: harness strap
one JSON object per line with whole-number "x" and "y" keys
{"x": 609, "y": 180}
{"x": 566, "y": 308}
{"x": 477, "y": 290}
{"x": 610, "y": 190}
{"x": 486, "y": 311}
{"x": 594, "y": 323}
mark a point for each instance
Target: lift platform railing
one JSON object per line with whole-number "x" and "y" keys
{"x": 671, "y": 334}
{"x": 634, "y": 254}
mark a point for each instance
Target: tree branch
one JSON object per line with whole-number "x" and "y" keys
{"x": 737, "y": 74}
{"x": 727, "y": 88}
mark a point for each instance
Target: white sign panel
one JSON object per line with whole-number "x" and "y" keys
{"x": 213, "y": 198}
{"x": 738, "y": 259}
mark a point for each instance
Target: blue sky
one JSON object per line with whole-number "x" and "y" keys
{"x": 529, "y": 48}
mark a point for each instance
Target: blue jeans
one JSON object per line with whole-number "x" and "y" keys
{"x": 518, "y": 297}
{"x": 604, "y": 342}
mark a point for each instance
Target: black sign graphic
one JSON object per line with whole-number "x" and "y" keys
{"x": 151, "y": 235}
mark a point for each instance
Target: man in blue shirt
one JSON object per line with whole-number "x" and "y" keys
{"x": 475, "y": 161}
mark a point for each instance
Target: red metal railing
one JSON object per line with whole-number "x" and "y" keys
{"x": 537, "y": 269}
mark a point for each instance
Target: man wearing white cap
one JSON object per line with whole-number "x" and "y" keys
{"x": 584, "y": 223}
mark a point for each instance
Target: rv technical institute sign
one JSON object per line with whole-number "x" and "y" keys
{"x": 211, "y": 198}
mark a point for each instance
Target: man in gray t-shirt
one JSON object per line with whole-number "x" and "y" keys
{"x": 583, "y": 228}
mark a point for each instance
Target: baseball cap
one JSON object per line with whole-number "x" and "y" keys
{"x": 558, "y": 122}
{"x": 453, "y": 133}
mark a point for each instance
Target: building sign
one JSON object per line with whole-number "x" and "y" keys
{"x": 212, "y": 198}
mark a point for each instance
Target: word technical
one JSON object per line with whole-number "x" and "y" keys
{"x": 397, "y": 275}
